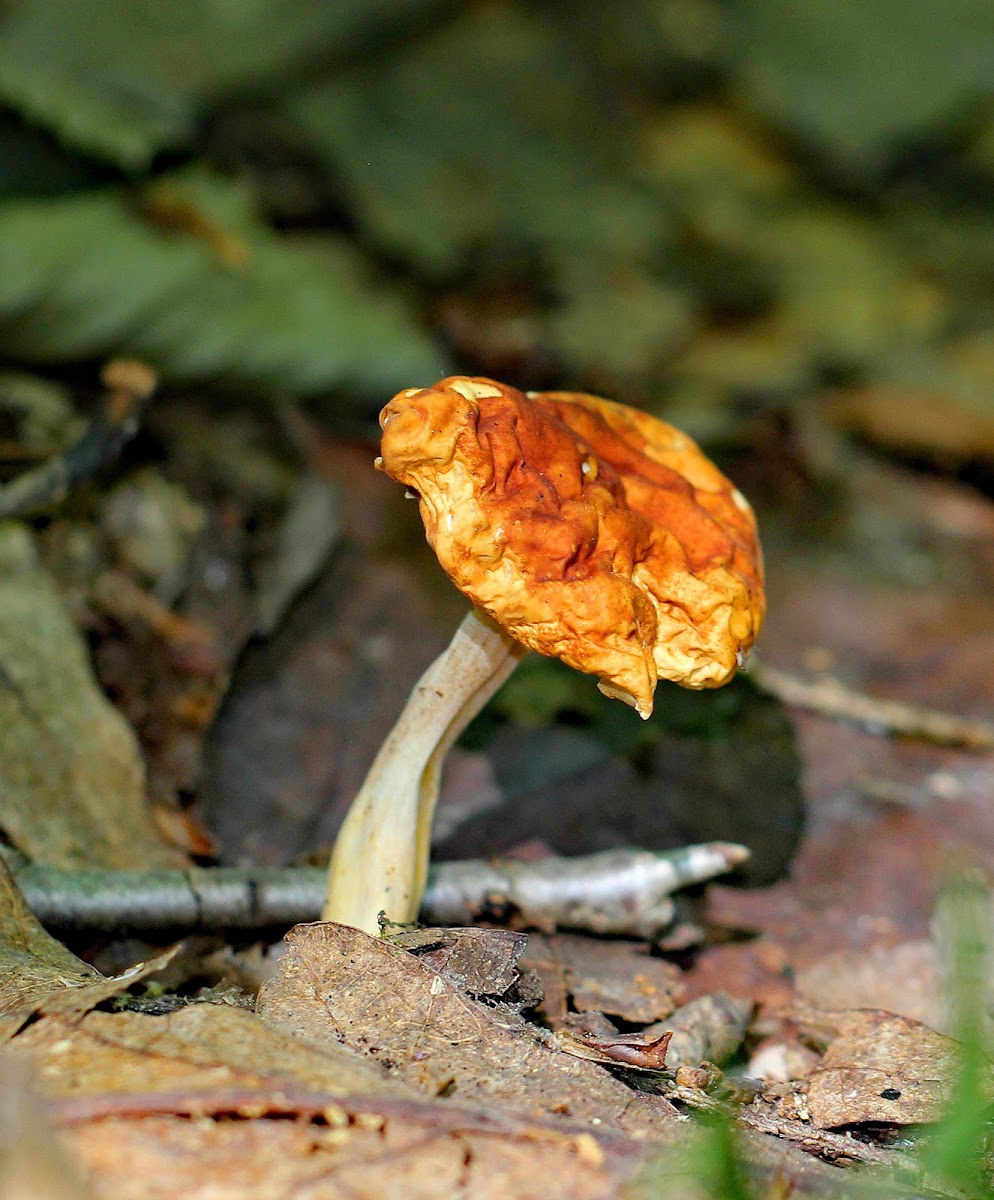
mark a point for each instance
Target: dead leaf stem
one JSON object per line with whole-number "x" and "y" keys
{"x": 830, "y": 698}
{"x": 129, "y": 388}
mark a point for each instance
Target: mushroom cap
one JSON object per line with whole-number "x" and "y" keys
{"x": 588, "y": 530}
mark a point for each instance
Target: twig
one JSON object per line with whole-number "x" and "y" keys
{"x": 830, "y": 698}
{"x": 615, "y": 891}
{"x": 618, "y": 891}
{"x": 130, "y": 386}
{"x": 823, "y": 1143}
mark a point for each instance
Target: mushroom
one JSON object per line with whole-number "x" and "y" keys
{"x": 580, "y": 528}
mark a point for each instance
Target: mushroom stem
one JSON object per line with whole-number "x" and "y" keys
{"x": 380, "y": 860}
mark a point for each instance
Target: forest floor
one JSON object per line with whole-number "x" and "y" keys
{"x": 812, "y": 1018}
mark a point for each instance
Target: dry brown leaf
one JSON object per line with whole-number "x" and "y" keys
{"x": 631, "y": 1050}
{"x": 616, "y": 977}
{"x": 917, "y": 420}
{"x": 160, "y": 1106}
{"x": 72, "y": 784}
{"x": 32, "y": 1164}
{"x": 198, "y": 1050}
{"x": 482, "y": 962}
{"x": 39, "y": 975}
{"x": 338, "y": 985}
{"x": 367, "y": 1158}
{"x": 33, "y": 964}
{"x": 707, "y": 1029}
{"x": 881, "y": 1068}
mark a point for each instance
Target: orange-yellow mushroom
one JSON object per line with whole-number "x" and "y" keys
{"x": 579, "y": 528}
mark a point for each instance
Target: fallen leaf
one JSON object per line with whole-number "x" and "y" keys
{"x": 33, "y": 1165}
{"x": 38, "y": 975}
{"x": 338, "y": 985}
{"x": 631, "y": 1050}
{"x": 943, "y": 419}
{"x": 707, "y": 1029}
{"x": 33, "y": 964}
{"x": 178, "y": 1105}
{"x": 905, "y": 979}
{"x": 364, "y": 1155}
{"x": 199, "y": 1050}
{"x": 620, "y": 978}
{"x": 71, "y": 775}
{"x": 882, "y": 1068}
{"x": 480, "y": 962}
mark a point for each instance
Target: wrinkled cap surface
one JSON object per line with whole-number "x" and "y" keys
{"x": 589, "y": 530}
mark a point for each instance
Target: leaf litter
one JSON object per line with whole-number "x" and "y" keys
{"x": 433, "y": 1059}
{"x": 410, "y": 1020}
{"x": 128, "y": 1088}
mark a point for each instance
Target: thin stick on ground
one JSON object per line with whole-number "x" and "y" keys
{"x": 830, "y": 698}
{"x": 623, "y": 892}
{"x": 129, "y": 386}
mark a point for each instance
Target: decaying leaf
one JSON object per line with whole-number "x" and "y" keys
{"x": 906, "y": 979}
{"x": 159, "y": 1106}
{"x": 33, "y": 964}
{"x": 71, "y": 775}
{"x": 707, "y": 1029}
{"x": 33, "y": 1166}
{"x": 339, "y": 985}
{"x": 630, "y": 1050}
{"x": 480, "y": 962}
{"x": 38, "y": 975}
{"x": 882, "y": 1068}
{"x": 415, "y": 1153}
{"x": 925, "y": 407}
{"x": 620, "y": 978}
{"x": 199, "y": 1050}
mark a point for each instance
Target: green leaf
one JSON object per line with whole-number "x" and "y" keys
{"x": 123, "y": 80}
{"x": 189, "y": 279}
{"x": 858, "y": 79}
{"x": 490, "y": 133}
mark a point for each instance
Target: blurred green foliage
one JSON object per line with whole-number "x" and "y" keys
{"x": 695, "y": 204}
{"x": 125, "y": 79}
{"x": 185, "y": 274}
{"x": 489, "y": 133}
{"x": 959, "y": 1154}
{"x": 861, "y": 81}
{"x": 542, "y": 689}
